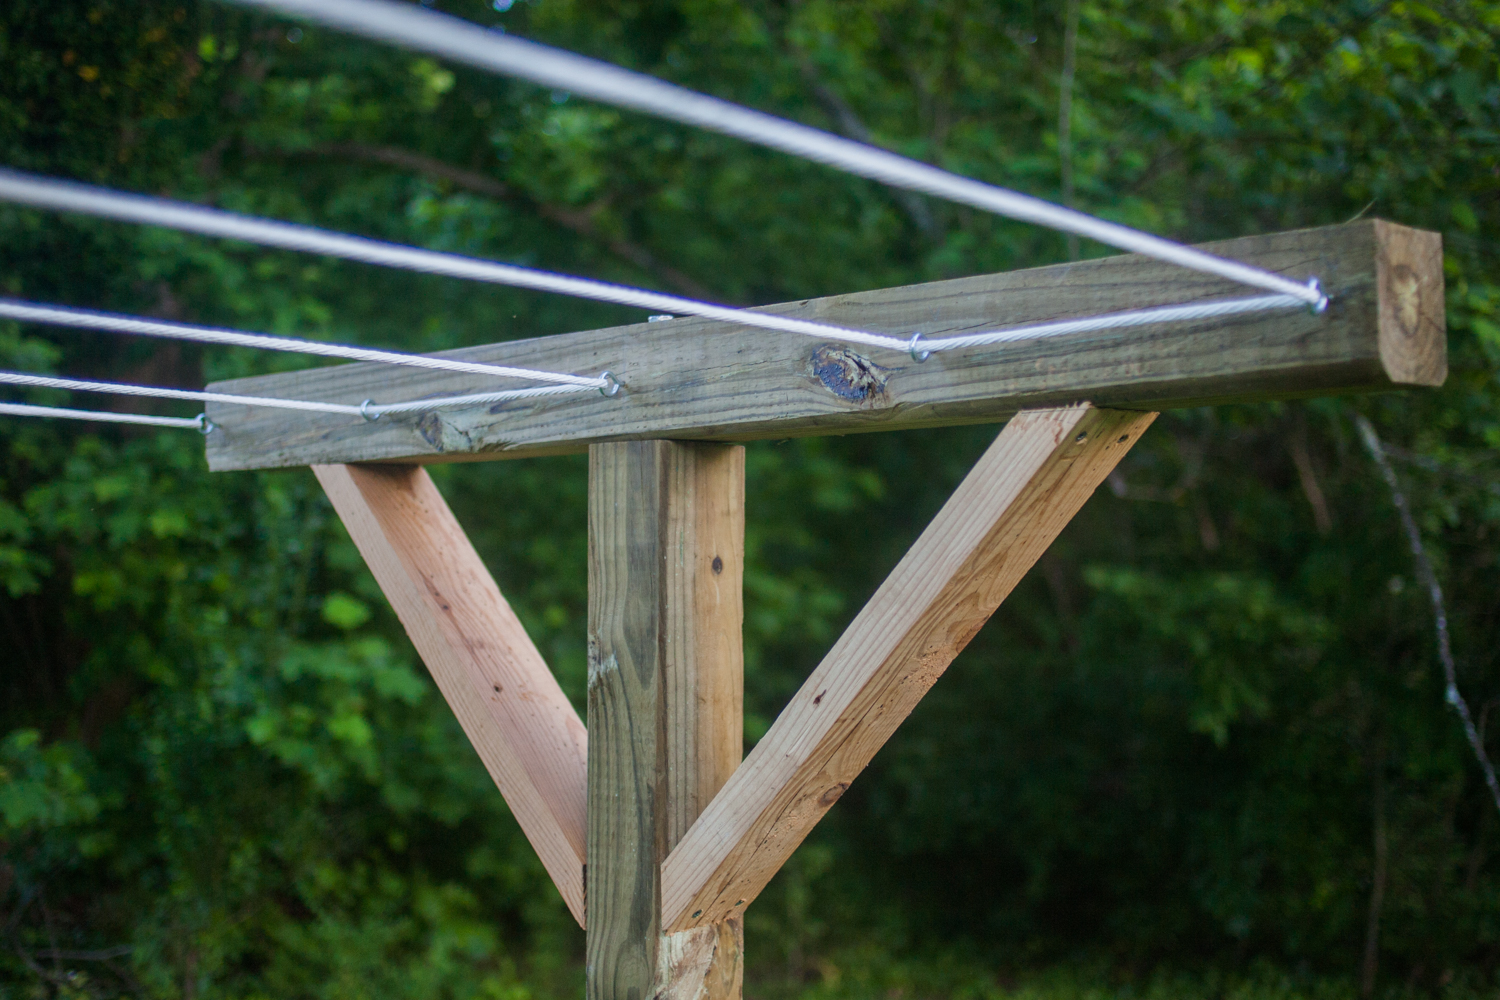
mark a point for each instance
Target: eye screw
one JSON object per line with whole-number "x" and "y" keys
{"x": 1321, "y": 306}
{"x": 916, "y": 354}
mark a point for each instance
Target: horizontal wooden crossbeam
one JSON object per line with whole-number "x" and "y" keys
{"x": 698, "y": 379}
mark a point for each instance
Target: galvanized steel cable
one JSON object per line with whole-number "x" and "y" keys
{"x": 68, "y": 196}
{"x": 88, "y": 319}
{"x": 413, "y": 27}
{"x": 64, "y": 413}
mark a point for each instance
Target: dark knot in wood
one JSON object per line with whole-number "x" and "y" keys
{"x": 848, "y": 375}
{"x": 442, "y": 435}
{"x": 833, "y": 794}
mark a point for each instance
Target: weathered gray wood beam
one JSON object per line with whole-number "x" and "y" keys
{"x": 697, "y": 379}
{"x": 666, "y": 553}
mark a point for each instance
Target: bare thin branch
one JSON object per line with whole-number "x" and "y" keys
{"x": 1065, "y": 112}
{"x": 1308, "y": 476}
{"x": 96, "y": 955}
{"x": 851, "y": 126}
{"x": 1435, "y": 592}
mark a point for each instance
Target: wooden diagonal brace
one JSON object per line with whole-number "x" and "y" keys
{"x": 1019, "y": 496}
{"x": 509, "y": 704}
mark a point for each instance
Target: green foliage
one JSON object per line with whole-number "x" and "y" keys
{"x": 1235, "y": 635}
{"x": 1158, "y": 772}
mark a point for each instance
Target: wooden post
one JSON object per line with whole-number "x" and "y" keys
{"x": 666, "y": 538}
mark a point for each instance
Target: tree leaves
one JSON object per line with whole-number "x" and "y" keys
{"x": 221, "y": 748}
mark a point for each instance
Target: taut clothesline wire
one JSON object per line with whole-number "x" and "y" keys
{"x": 42, "y": 192}
{"x": 35, "y": 312}
{"x": 369, "y": 410}
{"x": 63, "y": 413}
{"x": 919, "y": 347}
{"x": 67, "y": 196}
{"x": 446, "y": 36}
{"x": 412, "y": 27}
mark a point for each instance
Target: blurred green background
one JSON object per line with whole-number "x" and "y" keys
{"x": 1161, "y": 771}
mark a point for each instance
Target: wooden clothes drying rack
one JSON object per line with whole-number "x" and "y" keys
{"x": 656, "y": 833}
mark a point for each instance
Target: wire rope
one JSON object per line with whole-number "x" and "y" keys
{"x": 368, "y": 410}
{"x": 48, "y": 193}
{"x": 35, "y": 312}
{"x": 158, "y": 392}
{"x": 63, "y": 413}
{"x": 68, "y": 196}
{"x": 413, "y": 27}
{"x": 919, "y": 347}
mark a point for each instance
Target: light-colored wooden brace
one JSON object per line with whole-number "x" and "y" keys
{"x": 1020, "y": 495}
{"x": 657, "y": 510}
{"x": 509, "y": 704}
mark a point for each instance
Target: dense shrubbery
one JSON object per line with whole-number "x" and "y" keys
{"x": 1162, "y": 767}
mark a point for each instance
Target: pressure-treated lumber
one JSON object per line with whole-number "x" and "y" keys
{"x": 666, "y": 531}
{"x": 509, "y": 704}
{"x": 1020, "y": 495}
{"x": 690, "y": 378}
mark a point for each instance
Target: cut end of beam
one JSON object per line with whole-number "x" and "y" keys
{"x": 1411, "y": 305}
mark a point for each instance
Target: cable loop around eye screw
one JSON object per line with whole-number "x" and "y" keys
{"x": 1321, "y": 306}
{"x": 916, "y": 355}
{"x": 364, "y": 411}
{"x": 205, "y": 425}
{"x": 611, "y": 387}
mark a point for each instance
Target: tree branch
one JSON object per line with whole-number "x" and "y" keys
{"x": 849, "y": 125}
{"x": 1378, "y": 877}
{"x": 99, "y": 955}
{"x": 1435, "y": 592}
{"x": 580, "y": 221}
{"x": 1065, "y": 113}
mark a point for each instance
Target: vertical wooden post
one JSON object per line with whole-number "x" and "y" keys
{"x": 666, "y": 541}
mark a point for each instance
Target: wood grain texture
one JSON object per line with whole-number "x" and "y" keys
{"x": 666, "y": 539}
{"x": 1019, "y": 496}
{"x": 704, "y": 665}
{"x": 509, "y": 704}
{"x": 1411, "y": 305}
{"x": 704, "y": 688}
{"x": 626, "y": 494}
{"x": 696, "y": 379}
